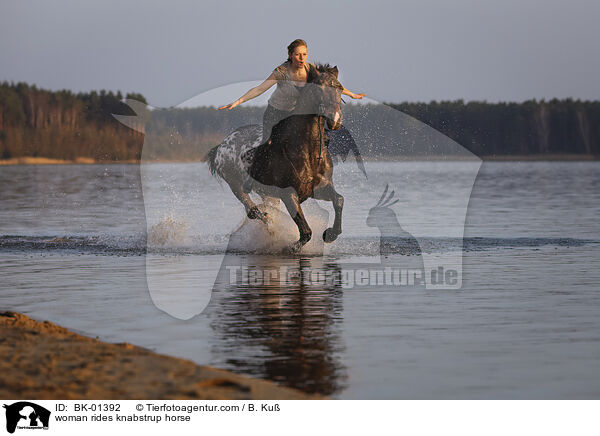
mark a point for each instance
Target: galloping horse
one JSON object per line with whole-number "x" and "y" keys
{"x": 294, "y": 164}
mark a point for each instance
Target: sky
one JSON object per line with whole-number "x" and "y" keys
{"x": 394, "y": 51}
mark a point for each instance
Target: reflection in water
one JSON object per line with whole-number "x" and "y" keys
{"x": 279, "y": 322}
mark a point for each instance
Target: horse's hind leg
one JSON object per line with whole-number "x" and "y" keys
{"x": 252, "y": 211}
{"x": 292, "y": 204}
{"x": 327, "y": 192}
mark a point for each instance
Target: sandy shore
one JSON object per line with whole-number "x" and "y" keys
{"x": 41, "y": 360}
{"x": 28, "y": 160}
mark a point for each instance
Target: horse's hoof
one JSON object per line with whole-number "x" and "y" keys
{"x": 296, "y": 247}
{"x": 330, "y": 235}
{"x": 293, "y": 249}
{"x": 255, "y": 214}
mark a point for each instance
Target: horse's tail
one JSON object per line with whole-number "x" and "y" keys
{"x": 211, "y": 159}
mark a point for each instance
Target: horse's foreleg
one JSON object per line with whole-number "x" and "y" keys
{"x": 292, "y": 204}
{"x": 328, "y": 193}
{"x": 252, "y": 211}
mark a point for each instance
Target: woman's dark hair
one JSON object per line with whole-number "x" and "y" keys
{"x": 295, "y": 43}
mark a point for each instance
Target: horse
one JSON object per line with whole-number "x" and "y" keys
{"x": 294, "y": 163}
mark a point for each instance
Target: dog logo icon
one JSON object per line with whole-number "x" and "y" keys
{"x": 26, "y": 415}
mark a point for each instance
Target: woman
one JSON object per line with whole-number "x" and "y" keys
{"x": 289, "y": 77}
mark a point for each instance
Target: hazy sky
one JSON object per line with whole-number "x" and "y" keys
{"x": 502, "y": 50}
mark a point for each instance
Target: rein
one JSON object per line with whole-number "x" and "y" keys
{"x": 321, "y": 131}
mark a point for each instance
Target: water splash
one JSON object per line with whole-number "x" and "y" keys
{"x": 253, "y": 236}
{"x": 170, "y": 231}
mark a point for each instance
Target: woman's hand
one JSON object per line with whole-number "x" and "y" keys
{"x": 351, "y": 94}
{"x": 230, "y": 105}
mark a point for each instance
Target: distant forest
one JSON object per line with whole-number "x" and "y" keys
{"x": 64, "y": 125}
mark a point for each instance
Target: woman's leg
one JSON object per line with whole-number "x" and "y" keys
{"x": 271, "y": 117}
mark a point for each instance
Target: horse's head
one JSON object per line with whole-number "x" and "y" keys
{"x": 327, "y": 94}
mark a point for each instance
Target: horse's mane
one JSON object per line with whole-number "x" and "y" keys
{"x": 319, "y": 68}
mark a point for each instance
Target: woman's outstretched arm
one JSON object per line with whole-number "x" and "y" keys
{"x": 353, "y": 95}
{"x": 252, "y": 93}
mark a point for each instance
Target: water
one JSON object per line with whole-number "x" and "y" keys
{"x": 77, "y": 242}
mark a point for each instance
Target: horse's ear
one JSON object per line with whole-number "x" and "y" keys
{"x": 335, "y": 71}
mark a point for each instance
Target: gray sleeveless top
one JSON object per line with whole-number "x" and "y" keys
{"x": 286, "y": 94}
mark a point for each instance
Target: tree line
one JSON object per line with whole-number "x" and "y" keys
{"x": 66, "y": 125}
{"x": 530, "y": 128}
